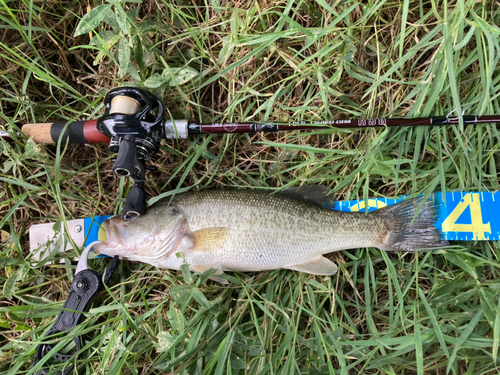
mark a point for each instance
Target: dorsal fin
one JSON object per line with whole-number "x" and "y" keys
{"x": 316, "y": 194}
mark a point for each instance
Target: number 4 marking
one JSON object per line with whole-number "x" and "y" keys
{"x": 476, "y": 226}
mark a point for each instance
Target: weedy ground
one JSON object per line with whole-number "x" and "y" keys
{"x": 383, "y": 313}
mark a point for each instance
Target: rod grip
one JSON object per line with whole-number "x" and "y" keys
{"x": 39, "y": 132}
{"x": 76, "y": 132}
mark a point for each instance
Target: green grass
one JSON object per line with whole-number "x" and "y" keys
{"x": 383, "y": 313}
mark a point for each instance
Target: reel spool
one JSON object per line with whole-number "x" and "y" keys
{"x": 124, "y": 105}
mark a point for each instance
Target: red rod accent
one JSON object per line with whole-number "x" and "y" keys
{"x": 91, "y": 134}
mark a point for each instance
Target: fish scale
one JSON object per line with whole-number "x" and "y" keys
{"x": 245, "y": 230}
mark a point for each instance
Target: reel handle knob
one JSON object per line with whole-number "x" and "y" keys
{"x": 135, "y": 205}
{"x": 127, "y": 163}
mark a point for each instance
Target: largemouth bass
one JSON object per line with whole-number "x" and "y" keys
{"x": 241, "y": 230}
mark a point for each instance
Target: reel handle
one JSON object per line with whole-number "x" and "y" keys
{"x": 127, "y": 164}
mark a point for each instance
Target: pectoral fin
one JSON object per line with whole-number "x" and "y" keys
{"x": 318, "y": 266}
{"x": 202, "y": 246}
{"x": 208, "y": 239}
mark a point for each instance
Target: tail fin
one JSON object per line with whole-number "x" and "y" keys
{"x": 408, "y": 232}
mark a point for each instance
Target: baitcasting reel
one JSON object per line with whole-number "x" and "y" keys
{"x": 133, "y": 120}
{"x": 133, "y": 124}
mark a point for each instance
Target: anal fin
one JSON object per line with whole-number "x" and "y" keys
{"x": 317, "y": 266}
{"x": 203, "y": 268}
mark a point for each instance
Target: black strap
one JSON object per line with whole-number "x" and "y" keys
{"x": 86, "y": 285}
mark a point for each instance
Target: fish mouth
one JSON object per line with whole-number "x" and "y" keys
{"x": 113, "y": 238}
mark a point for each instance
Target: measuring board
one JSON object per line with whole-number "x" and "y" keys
{"x": 463, "y": 217}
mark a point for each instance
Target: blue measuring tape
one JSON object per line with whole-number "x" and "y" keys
{"x": 463, "y": 216}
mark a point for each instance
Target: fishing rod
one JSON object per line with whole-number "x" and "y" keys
{"x": 134, "y": 124}
{"x": 83, "y": 132}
